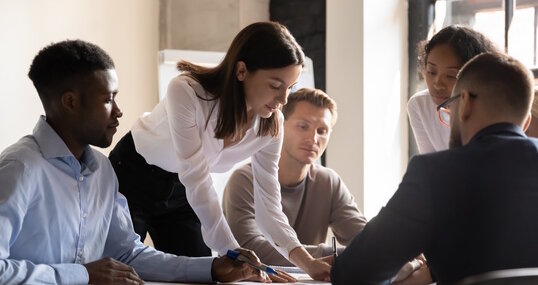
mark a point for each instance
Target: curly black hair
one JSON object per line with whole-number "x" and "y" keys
{"x": 55, "y": 66}
{"x": 466, "y": 43}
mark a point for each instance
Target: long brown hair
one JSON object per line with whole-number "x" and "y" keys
{"x": 262, "y": 45}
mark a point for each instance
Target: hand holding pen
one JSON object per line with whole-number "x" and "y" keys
{"x": 224, "y": 269}
{"x": 249, "y": 257}
{"x": 236, "y": 255}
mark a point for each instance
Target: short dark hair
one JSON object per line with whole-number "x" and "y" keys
{"x": 55, "y": 66}
{"x": 262, "y": 45}
{"x": 464, "y": 41}
{"x": 502, "y": 80}
{"x": 315, "y": 97}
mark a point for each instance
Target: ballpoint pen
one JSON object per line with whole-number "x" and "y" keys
{"x": 334, "y": 247}
{"x": 236, "y": 255}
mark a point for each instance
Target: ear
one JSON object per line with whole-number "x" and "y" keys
{"x": 70, "y": 101}
{"x": 241, "y": 70}
{"x": 466, "y": 105}
{"x": 527, "y": 122}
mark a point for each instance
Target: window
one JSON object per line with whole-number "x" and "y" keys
{"x": 488, "y": 17}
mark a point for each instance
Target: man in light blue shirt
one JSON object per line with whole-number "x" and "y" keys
{"x": 62, "y": 220}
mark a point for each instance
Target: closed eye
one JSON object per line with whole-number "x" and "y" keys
{"x": 292, "y": 86}
{"x": 302, "y": 126}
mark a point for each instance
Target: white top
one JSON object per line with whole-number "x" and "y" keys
{"x": 174, "y": 137}
{"x": 430, "y": 134}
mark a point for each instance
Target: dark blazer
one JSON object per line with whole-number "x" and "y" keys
{"x": 470, "y": 210}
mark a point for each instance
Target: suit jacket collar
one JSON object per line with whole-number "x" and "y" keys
{"x": 507, "y": 129}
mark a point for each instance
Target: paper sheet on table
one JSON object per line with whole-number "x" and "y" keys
{"x": 289, "y": 269}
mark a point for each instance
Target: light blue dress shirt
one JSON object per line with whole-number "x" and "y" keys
{"x": 57, "y": 213}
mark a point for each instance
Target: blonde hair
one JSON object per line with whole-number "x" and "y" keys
{"x": 315, "y": 97}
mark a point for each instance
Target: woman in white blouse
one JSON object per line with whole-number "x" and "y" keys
{"x": 210, "y": 119}
{"x": 440, "y": 59}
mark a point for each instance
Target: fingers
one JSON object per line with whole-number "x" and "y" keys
{"x": 253, "y": 274}
{"x": 421, "y": 257}
{"x": 126, "y": 277}
{"x": 124, "y": 271}
{"x": 266, "y": 277}
{"x": 282, "y": 277}
{"x": 278, "y": 279}
{"x": 321, "y": 272}
{"x": 329, "y": 259}
{"x": 250, "y": 255}
{"x": 404, "y": 272}
{"x": 111, "y": 271}
{"x": 286, "y": 275}
{"x": 418, "y": 277}
{"x": 224, "y": 269}
{"x": 416, "y": 264}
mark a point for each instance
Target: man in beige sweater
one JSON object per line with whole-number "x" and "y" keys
{"x": 314, "y": 197}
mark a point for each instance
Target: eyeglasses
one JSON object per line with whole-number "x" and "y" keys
{"x": 443, "y": 109}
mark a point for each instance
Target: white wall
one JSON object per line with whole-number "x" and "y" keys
{"x": 367, "y": 75}
{"x": 385, "y": 89}
{"x": 208, "y": 25}
{"x": 345, "y": 83}
{"x": 126, "y": 29}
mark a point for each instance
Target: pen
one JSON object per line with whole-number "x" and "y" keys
{"x": 236, "y": 255}
{"x": 334, "y": 247}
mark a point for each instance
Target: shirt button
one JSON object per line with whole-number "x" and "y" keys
{"x": 80, "y": 254}
{"x": 81, "y": 178}
{"x": 84, "y": 215}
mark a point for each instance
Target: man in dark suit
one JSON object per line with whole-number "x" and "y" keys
{"x": 472, "y": 208}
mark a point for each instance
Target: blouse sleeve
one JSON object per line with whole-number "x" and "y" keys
{"x": 417, "y": 124}
{"x": 181, "y": 107}
{"x": 267, "y": 200}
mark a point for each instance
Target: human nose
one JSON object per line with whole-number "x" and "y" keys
{"x": 282, "y": 98}
{"x": 313, "y": 136}
{"x": 438, "y": 82}
{"x": 116, "y": 111}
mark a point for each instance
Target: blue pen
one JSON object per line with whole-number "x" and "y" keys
{"x": 236, "y": 255}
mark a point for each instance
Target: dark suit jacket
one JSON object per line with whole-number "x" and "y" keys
{"x": 470, "y": 210}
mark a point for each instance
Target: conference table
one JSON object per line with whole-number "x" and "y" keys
{"x": 302, "y": 278}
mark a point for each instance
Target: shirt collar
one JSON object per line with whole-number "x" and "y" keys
{"x": 499, "y": 128}
{"x": 52, "y": 146}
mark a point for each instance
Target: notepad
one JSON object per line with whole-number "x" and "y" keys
{"x": 289, "y": 269}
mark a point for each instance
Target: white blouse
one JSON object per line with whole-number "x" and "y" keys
{"x": 175, "y": 138}
{"x": 430, "y": 134}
